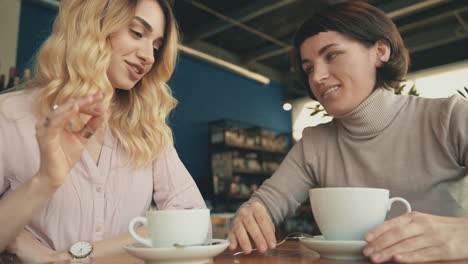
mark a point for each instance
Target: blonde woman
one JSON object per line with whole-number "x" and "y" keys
{"x": 86, "y": 147}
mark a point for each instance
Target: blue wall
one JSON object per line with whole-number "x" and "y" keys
{"x": 205, "y": 93}
{"x": 35, "y": 26}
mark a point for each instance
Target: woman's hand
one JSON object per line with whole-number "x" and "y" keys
{"x": 61, "y": 148}
{"x": 252, "y": 221}
{"x": 28, "y": 249}
{"x": 418, "y": 237}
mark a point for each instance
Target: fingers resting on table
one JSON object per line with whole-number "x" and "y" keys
{"x": 252, "y": 224}
{"x": 418, "y": 237}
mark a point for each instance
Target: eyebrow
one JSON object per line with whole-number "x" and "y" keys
{"x": 321, "y": 51}
{"x": 145, "y": 23}
{"x": 147, "y": 26}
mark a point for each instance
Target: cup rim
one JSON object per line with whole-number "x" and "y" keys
{"x": 320, "y": 189}
{"x": 178, "y": 210}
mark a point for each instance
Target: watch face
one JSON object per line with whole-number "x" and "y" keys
{"x": 81, "y": 249}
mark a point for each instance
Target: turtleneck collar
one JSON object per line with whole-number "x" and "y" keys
{"x": 374, "y": 114}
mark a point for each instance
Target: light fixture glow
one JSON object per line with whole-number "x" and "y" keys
{"x": 287, "y": 107}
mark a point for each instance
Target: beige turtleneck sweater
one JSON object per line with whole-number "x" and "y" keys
{"x": 415, "y": 147}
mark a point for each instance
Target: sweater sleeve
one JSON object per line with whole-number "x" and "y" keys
{"x": 454, "y": 117}
{"x": 288, "y": 186}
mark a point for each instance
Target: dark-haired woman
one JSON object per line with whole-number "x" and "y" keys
{"x": 351, "y": 57}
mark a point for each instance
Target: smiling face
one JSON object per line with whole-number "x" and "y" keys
{"x": 134, "y": 47}
{"x": 341, "y": 71}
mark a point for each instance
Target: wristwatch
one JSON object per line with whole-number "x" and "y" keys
{"x": 81, "y": 249}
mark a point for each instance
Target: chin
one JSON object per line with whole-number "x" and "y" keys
{"x": 124, "y": 88}
{"x": 338, "y": 111}
{"x": 124, "y": 85}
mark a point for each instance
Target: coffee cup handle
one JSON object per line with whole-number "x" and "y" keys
{"x": 399, "y": 199}
{"x": 131, "y": 228}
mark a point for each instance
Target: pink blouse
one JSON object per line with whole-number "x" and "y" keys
{"x": 96, "y": 202}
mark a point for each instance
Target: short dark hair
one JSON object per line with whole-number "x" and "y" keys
{"x": 362, "y": 22}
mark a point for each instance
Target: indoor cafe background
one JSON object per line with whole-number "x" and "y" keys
{"x": 234, "y": 65}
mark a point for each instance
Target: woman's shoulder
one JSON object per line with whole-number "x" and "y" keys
{"x": 439, "y": 113}
{"x": 436, "y": 102}
{"x": 439, "y": 106}
{"x": 319, "y": 131}
{"x": 454, "y": 110}
{"x": 17, "y": 105}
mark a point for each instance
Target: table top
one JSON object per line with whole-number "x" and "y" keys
{"x": 288, "y": 253}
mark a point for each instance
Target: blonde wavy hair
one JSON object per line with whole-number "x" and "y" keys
{"x": 74, "y": 60}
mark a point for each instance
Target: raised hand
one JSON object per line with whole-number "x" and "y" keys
{"x": 418, "y": 237}
{"x": 61, "y": 148}
{"x": 252, "y": 222}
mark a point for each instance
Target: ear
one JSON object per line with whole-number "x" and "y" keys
{"x": 382, "y": 52}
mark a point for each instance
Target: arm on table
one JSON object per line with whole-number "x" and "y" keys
{"x": 418, "y": 237}
{"x": 276, "y": 198}
{"x": 114, "y": 246}
{"x": 28, "y": 249}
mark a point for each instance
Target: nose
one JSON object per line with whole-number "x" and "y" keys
{"x": 319, "y": 74}
{"x": 146, "y": 53}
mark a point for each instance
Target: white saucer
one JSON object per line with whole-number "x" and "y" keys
{"x": 337, "y": 249}
{"x": 173, "y": 255}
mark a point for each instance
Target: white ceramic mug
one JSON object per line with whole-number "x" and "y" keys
{"x": 167, "y": 227}
{"x": 347, "y": 213}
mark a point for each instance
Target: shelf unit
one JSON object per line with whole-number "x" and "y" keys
{"x": 243, "y": 155}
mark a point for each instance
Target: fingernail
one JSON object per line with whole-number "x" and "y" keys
{"x": 262, "y": 248}
{"x": 247, "y": 249}
{"x": 272, "y": 244}
{"x": 369, "y": 237}
{"x": 368, "y": 251}
{"x": 377, "y": 257}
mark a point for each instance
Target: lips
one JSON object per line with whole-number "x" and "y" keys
{"x": 136, "y": 70}
{"x": 329, "y": 90}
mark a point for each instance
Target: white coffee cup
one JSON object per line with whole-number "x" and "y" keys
{"x": 167, "y": 227}
{"x": 347, "y": 213}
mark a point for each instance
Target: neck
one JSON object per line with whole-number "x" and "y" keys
{"x": 374, "y": 114}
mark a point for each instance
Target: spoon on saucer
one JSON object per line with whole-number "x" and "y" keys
{"x": 182, "y": 245}
{"x": 296, "y": 236}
